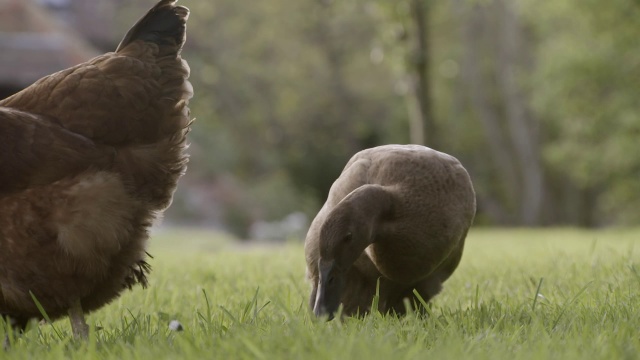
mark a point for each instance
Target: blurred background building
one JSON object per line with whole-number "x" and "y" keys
{"x": 35, "y": 42}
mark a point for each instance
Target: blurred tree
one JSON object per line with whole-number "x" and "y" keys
{"x": 538, "y": 100}
{"x": 499, "y": 134}
{"x": 403, "y": 30}
{"x": 285, "y": 90}
{"x": 586, "y": 87}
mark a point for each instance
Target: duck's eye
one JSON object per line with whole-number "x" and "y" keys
{"x": 347, "y": 238}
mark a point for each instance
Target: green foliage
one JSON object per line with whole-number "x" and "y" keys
{"x": 284, "y": 89}
{"x": 285, "y": 82}
{"x": 518, "y": 294}
{"x": 586, "y": 87}
{"x": 287, "y": 91}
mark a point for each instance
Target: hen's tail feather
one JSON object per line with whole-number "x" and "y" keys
{"x": 164, "y": 24}
{"x": 139, "y": 272}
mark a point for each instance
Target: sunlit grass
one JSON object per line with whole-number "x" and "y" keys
{"x": 525, "y": 294}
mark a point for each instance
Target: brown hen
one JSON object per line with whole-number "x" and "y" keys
{"x": 90, "y": 156}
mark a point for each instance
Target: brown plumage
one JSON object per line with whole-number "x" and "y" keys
{"x": 397, "y": 213}
{"x": 89, "y": 156}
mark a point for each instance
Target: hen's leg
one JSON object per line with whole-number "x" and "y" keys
{"x": 78, "y": 325}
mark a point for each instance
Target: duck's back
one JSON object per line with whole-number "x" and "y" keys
{"x": 421, "y": 176}
{"x": 435, "y": 206}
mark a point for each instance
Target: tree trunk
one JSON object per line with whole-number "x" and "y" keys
{"x": 523, "y": 129}
{"x": 414, "y": 110}
{"x": 495, "y": 52}
{"x": 477, "y": 86}
{"x": 422, "y": 124}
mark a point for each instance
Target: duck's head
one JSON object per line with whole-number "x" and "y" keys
{"x": 330, "y": 288}
{"x": 343, "y": 237}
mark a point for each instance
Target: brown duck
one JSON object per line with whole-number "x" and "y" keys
{"x": 398, "y": 214}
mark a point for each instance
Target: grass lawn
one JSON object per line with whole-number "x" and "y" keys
{"x": 238, "y": 302}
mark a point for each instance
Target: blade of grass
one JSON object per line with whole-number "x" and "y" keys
{"x": 206, "y": 299}
{"x": 45, "y": 315}
{"x": 375, "y": 303}
{"x": 565, "y": 306}
{"x": 535, "y": 297}
{"x": 229, "y": 314}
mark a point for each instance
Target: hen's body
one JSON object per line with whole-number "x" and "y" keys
{"x": 89, "y": 156}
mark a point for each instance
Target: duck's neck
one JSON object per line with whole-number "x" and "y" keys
{"x": 370, "y": 206}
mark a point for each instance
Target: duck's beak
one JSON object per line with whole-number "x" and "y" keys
{"x": 329, "y": 291}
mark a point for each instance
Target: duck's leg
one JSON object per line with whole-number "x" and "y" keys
{"x": 18, "y": 326}
{"x": 427, "y": 289}
{"x": 78, "y": 325}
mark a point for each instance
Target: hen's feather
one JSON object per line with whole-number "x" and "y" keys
{"x": 89, "y": 156}
{"x": 34, "y": 151}
{"x": 159, "y": 25}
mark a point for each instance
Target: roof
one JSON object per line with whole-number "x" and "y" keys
{"x": 34, "y": 44}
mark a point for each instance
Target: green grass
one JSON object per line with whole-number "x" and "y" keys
{"x": 238, "y": 302}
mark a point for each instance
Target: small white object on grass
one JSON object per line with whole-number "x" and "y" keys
{"x": 175, "y": 325}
